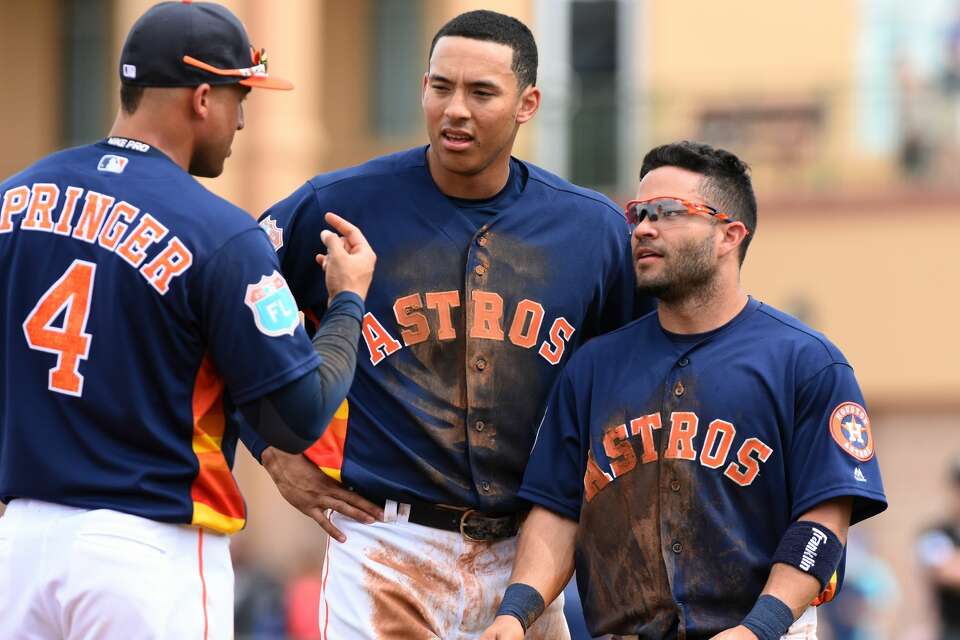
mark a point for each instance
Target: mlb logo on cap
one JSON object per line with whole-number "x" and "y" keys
{"x": 112, "y": 164}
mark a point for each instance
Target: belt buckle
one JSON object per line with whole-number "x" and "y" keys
{"x": 463, "y": 522}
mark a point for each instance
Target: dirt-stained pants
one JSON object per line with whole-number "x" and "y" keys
{"x": 402, "y": 581}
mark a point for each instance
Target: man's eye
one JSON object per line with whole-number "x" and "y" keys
{"x": 671, "y": 213}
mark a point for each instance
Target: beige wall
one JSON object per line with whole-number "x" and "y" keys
{"x": 703, "y": 55}
{"x": 879, "y": 281}
{"x": 30, "y": 104}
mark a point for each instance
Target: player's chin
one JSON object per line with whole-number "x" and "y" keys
{"x": 460, "y": 162}
{"x": 206, "y": 167}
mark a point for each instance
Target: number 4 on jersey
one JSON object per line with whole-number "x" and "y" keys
{"x": 70, "y": 295}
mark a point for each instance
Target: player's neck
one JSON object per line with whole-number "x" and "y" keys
{"x": 144, "y": 127}
{"x": 478, "y": 186}
{"x": 703, "y": 310}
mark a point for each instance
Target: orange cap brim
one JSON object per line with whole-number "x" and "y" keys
{"x": 267, "y": 82}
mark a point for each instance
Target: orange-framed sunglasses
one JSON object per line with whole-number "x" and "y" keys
{"x": 668, "y": 209}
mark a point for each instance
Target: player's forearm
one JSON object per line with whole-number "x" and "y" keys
{"x": 336, "y": 342}
{"x": 796, "y": 588}
{"x": 545, "y": 553}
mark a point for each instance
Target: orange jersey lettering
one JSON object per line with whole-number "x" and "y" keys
{"x": 415, "y": 327}
{"x": 380, "y": 343}
{"x": 752, "y": 452}
{"x": 560, "y": 334}
{"x": 43, "y": 199}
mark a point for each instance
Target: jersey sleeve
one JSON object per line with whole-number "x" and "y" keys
{"x": 832, "y": 452}
{"x": 294, "y": 225}
{"x": 249, "y": 319}
{"x": 554, "y": 475}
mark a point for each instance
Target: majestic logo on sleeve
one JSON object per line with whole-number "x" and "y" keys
{"x": 850, "y": 428}
{"x": 273, "y": 231}
{"x": 273, "y": 306}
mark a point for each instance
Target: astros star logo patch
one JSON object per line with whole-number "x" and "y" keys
{"x": 850, "y": 428}
{"x": 273, "y": 231}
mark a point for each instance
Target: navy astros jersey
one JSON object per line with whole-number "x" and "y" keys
{"x": 686, "y": 457}
{"x": 474, "y": 308}
{"x": 130, "y": 299}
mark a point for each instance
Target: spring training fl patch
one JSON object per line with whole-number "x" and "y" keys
{"x": 273, "y": 306}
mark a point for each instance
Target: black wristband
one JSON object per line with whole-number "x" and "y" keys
{"x": 769, "y": 619}
{"x": 523, "y": 602}
{"x": 811, "y": 548}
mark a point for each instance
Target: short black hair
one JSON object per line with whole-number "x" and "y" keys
{"x": 496, "y": 27}
{"x": 130, "y": 96}
{"x": 726, "y": 185}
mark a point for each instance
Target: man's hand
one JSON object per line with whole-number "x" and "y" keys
{"x": 312, "y": 492}
{"x": 504, "y": 628}
{"x": 349, "y": 260}
{"x": 738, "y": 632}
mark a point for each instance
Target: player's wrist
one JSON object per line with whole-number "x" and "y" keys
{"x": 346, "y": 299}
{"x": 769, "y": 619}
{"x": 523, "y": 603}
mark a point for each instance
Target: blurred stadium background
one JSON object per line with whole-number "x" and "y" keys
{"x": 848, "y": 111}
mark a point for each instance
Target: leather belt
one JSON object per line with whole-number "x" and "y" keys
{"x": 473, "y": 525}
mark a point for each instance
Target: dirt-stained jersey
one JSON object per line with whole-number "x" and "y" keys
{"x": 473, "y": 310}
{"x": 686, "y": 457}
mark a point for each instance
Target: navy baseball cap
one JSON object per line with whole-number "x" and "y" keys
{"x": 186, "y": 44}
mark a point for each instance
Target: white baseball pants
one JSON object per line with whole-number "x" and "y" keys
{"x": 80, "y": 574}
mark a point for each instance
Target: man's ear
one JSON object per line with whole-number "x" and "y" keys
{"x": 200, "y": 101}
{"x": 529, "y": 103}
{"x": 733, "y": 235}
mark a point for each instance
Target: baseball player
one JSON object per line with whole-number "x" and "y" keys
{"x": 701, "y": 465}
{"x": 137, "y": 311}
{"x": 491, "y": 273}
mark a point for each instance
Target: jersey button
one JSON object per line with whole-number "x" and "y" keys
{"x": 677, "y": 547}
{"x": 683, "y": 362}
{"x": 485, "y": 486}
{"x": 479, "y": 269}
{"x": 479, "y": 425}
{"x": 480, "y": 364}
{"x": 675, "y": 485}
{"x": 678, "y": 390}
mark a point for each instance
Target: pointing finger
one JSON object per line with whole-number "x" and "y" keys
{"x": 349, "y": 231}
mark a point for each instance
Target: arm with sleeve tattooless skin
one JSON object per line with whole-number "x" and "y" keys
{"x": 294, "y": 416}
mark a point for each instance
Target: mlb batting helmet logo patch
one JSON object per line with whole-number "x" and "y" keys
{"x": 112, "y": 164}
{"x": 850, "y": 427}
{"x": 273, "y": 306}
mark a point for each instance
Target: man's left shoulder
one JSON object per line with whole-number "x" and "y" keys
{"x": 812, "y": 346}
{"x": 578, "y": 199}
